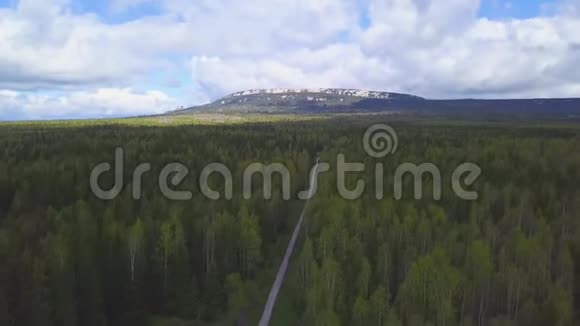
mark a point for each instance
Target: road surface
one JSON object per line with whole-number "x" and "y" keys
{"x": 267, "y": 314}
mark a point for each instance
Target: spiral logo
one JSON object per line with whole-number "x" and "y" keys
{"x": 380, "y": 140}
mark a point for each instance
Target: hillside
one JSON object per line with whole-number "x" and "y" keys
{"x": 282, "y": 100}
{"x": 336, "y": 100}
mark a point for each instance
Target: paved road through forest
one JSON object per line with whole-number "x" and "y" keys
{"x": 267, "y": 314}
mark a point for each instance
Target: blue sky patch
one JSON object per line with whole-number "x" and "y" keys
{"x": 518, "y": 9}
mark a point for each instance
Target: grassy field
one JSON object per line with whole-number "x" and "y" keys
{"x": 197, "y": 119}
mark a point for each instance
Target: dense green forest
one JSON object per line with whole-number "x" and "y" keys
{"x": 512, "y": 257}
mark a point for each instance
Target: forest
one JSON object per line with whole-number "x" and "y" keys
{"x": 511, "y": 257}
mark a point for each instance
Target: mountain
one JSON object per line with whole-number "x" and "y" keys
{"x": 284, "y": 100}
{"x": 339, "y": 100}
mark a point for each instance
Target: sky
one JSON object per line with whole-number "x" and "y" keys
{"x": 97, "y": 58}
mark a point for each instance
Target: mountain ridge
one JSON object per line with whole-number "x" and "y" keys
{"x": 326, "y": 91}
{"x": 346, "y": 100}
{"x": 297, "y": 100}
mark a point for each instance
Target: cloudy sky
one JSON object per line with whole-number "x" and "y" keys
{"x": 98, "y": 58}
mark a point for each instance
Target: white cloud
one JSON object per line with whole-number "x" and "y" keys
{"x": 45, "y": 45}
{"x": 42, "y": 8}
{"x": 54, "y": 50}
{"x": 99, "y": 103}
{"x": 569, "y": 7}
{"x": 431, "y": 48}
{"x": 223, "y": 27}
{"x": 337, "y": 65}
